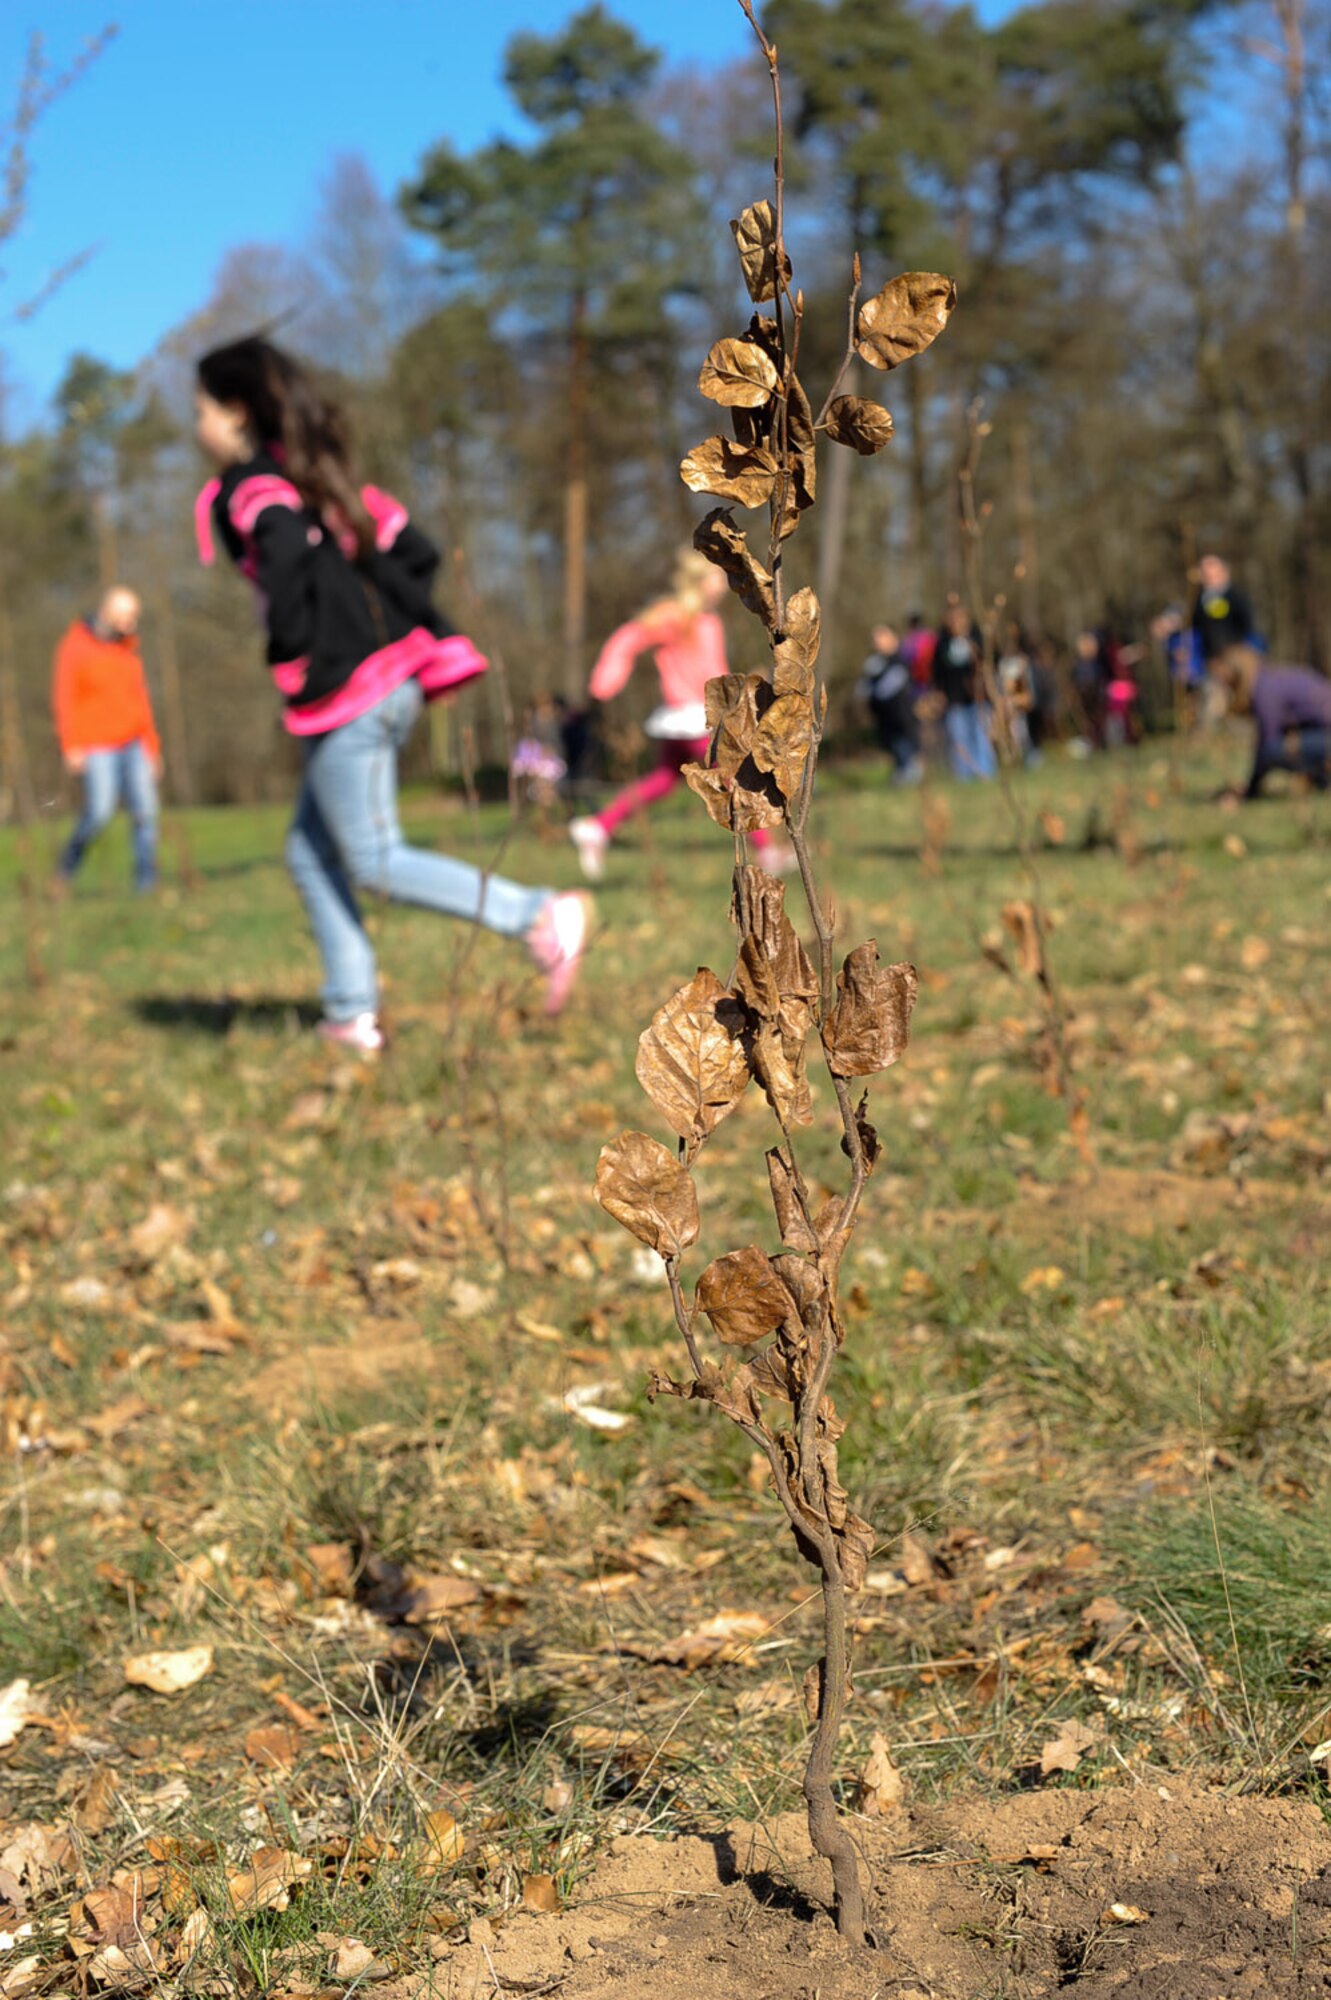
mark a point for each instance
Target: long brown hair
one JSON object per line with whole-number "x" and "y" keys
{"x": 289, "y": 411}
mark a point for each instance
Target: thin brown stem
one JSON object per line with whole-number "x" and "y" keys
{"x": 849, "y": 354}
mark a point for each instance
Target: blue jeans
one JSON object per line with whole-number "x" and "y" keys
{"x": 967, "y": 725}
{"x": 111, "y": 778}
{"x": 346, "y": 836}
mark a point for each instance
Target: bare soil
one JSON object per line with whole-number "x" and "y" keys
{"x": 1161, "y": 1893}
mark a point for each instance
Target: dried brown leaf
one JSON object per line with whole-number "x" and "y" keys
{"x": 273, "y": 1746}
{"x": 692, "y": 1058}
{"x": 796, "y": 1232}
{"x": 746, "y": 473}
{"x": 854, "y": 1548}
{"x": 649, "y": 1191}
{"x": 869, "y": 1025}
{"x": 783, "y": 740}
{"x": 266, "y": 1883}
{"x": 797, "y": 648}
{"x": 881, "y": 1787}
{"x": 729, "y": 1636}
{"x": 739, "y": 374}
{"x": 431, "y": 1597}
{"x": 743, "y": 1297}
{"x": 540, "y": 1894}
{"x": 1021, "y": 921}
{"x": 170, "y": 1672}
{"x": 716, "y": 791}
{"x": 735, "y": 703}
{"x": 444, "y": 1843}
{"x": 1065, "y": 1751}
{"x": 748, "y": 800}
{"x": 161, "y": 1229}
{"x": 904, "y": 318}
{"x": 718, "y": 537}
{"x": 755, "y": 239}
{"x": 863, "y": 425}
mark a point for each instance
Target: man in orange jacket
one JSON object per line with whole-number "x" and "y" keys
{"x": 104, "y": 721}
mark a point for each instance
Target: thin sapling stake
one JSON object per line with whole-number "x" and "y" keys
{"x": 1026, "y": 919}
{"x": 762, "y": 1330}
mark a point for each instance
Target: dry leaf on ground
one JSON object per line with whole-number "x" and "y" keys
{"x": 353, "y": 1960}
{"x": 265, "y": 1884}
{"x": 539, "y": 1894}
{"x": 768, "y": 1699}
{"x": 728, "y": 1636}
{"x": 273, "y": 1746}
{"x": 444, "y": 1842}
{"x": 881, "y": 1786}
{"x": 161, "y": 1229}
{"x": 433, "y": 1597}
{"x": 169, "y": 1673}
{"x": 1065, "y": 1751}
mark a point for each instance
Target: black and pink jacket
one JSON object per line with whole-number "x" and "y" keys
{"x": 343, "y": 630}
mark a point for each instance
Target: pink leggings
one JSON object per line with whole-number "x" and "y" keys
{"x": 676, "y": 752}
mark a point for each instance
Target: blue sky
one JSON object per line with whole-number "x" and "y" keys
{"x": 206, "y": 125}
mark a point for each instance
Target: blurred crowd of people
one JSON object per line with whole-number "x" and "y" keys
{"x": 951, "y": 695}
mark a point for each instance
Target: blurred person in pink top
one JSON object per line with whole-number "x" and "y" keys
{"x": 686, "y": 637}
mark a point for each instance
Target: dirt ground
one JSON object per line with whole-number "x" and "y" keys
{"x": 1161, "y": 1893}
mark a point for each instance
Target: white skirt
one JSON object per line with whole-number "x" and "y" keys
{"x": 683, "y": 722}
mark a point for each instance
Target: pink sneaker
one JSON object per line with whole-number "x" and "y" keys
{"x": 362, "y": 1034}
{"x": 556, "y": 941}
{"x": 778, "y": 858}
{"x": 591, "y": 840}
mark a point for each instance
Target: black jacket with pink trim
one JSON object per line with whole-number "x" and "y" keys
{"x": 329, "y": 613}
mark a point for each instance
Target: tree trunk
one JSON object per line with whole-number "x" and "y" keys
{"x": 18, "y": 776}
{"x": 108, "y": 551}
{"x": 922, "y": 586}
{"x": 575, "y": 505}
{"x": 1028, "y": 553}
{"x": 173, "y": 706}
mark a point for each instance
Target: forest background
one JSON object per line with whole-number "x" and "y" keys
{"x": 1133, "y": 195}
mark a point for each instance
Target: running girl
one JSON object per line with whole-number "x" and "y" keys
{"x": 686, "y": 636}
{"x": 356, "y": 648}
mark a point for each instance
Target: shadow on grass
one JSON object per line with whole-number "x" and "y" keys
{"x": 218, "y": 1014}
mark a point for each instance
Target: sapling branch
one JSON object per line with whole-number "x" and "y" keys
{"x": 708, "y": 1041}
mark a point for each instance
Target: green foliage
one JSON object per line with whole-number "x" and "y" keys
{"x": 586, "y": 217}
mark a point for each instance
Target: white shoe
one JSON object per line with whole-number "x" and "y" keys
{"x": 591, "y": 840}
{"x": 362, "y": 1034}
{"x": 556, "y": 941}
{"x": 777, "y": 858}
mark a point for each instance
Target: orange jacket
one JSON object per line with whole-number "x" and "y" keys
{"x": 101, "y": 698}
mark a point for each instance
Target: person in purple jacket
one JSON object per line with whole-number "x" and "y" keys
{"x": 1291, "y": 707}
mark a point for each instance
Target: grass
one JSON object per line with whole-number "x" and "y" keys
{"x": 373, "y": 1288}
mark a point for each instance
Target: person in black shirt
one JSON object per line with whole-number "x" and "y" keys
{"x": 1221, "y": 616}
{"x": 885, "y": 684}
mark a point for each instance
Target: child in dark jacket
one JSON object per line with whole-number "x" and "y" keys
{"x": 355, "y": 647}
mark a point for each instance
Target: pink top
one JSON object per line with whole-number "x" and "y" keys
{"x": 689, "y": 653}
